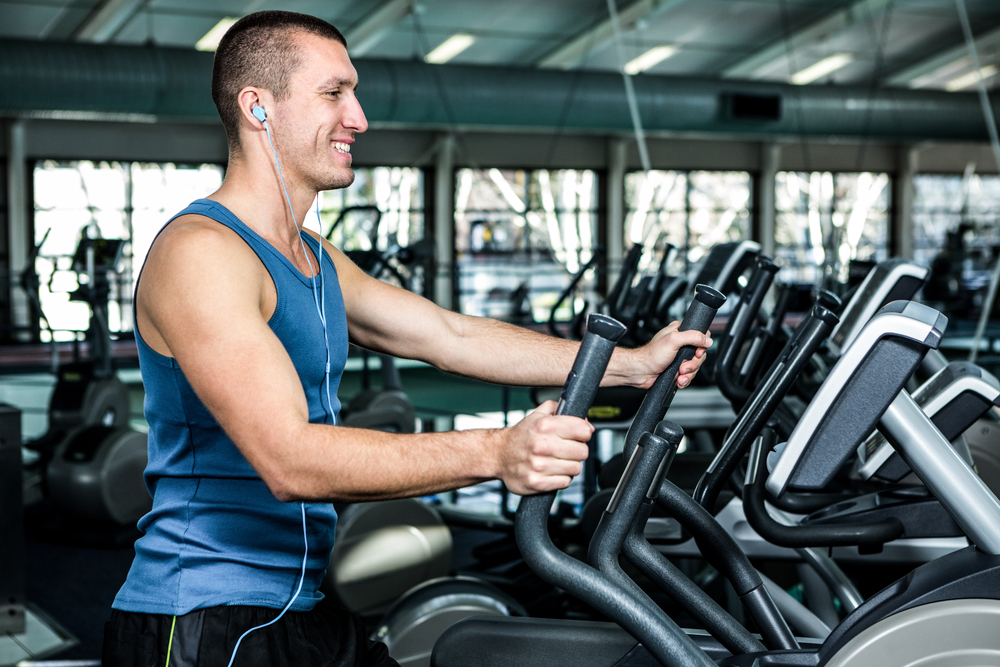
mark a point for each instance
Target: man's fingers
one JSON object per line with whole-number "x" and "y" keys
{"x": 548, "y": 465}
{"x": 566, "y": 427}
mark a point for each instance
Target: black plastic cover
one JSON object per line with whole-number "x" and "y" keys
{"x": 859, "y": 406}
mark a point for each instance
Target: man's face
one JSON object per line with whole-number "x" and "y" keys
{"x": 320, "y": 116}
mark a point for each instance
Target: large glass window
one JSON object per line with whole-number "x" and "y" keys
{"x": 824, "y": 221}
{"x": 955, "y": 234}
{"x": 944, "y": 203}
{"x": 520, "y": 235}
{"x": 691, "y": 211}
{"x": 383, "y": 210}
{"x": 114, "y": 200}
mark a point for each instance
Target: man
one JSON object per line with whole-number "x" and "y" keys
{"x": 242, "y": 326}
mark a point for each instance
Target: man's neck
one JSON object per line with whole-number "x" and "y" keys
{"x": 254, "y": 194}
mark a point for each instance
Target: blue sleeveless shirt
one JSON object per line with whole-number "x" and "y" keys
{"x": 216, "y": 535}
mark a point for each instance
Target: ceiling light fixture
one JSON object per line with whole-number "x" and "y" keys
{"x": 210, "y": 42}
{"x": 821, "y": 69}
{"x": 970, "y": 79}
{"x": 649, "y": 59}
{"x": 449, "y": 48}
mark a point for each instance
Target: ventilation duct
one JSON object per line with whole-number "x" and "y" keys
{"x": 167, "y": 82}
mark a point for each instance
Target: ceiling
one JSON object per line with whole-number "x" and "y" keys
{"x": 905, "y": 43}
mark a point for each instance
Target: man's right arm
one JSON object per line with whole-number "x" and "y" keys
{"x": 202, "y": 296}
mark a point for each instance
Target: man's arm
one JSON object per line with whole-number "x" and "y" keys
{"x": 391, "y": 320}
{"x": 202, "y": 293}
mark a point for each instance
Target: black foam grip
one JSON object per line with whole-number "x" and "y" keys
{"x": 654, "y": 406}
{"x": 588, "y": 368}
{"x": 638, "y": 616}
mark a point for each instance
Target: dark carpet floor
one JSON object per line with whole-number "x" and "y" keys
{"x": 75, "y": 584}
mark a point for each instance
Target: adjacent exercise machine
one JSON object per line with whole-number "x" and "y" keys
{"x": 92, "y": 461}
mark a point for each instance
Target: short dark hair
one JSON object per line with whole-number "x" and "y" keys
{"x": 259, "y": 50}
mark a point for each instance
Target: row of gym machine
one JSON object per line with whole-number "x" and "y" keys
{"x": 888, "y": 461}
{"x": 845, "y": 487}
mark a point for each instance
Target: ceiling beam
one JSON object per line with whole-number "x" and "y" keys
{"x": 110, "y": 16}
{"x": 756, "y": 64}
{"x": 913, "y": 75}
{"x": 573, "y": 51}
{"x": 365, "y": 33}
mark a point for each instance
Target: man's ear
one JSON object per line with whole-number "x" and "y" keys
{"x": 249, "y": 99}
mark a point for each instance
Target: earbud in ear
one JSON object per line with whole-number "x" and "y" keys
{"x": 259, "y": 114}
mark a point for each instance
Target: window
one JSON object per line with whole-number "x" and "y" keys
{"x": 691, "y": 211}
{"x": 955, "y": 234}
{"x": 824, "y": 221}
{"x": 943, "y": 203}
{"x": 115, "y": 200}
{"x": 520, "y": 237}
{"x": 384, "y": 205}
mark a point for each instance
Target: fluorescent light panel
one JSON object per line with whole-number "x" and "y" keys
{"x": 649, "y": 59}
{"x": 970, "y": 79}
{"x": 210, "y": 42}
{"x": 821, "y": 69}
{"x": 449, "y": 48}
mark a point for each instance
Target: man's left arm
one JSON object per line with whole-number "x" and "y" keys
{"x": 391, "y": 320}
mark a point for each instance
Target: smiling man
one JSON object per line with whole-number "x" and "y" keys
{"x": 242, "y": 323}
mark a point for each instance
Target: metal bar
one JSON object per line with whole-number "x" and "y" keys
{"x": 968, "y": 499}
{"x": 633, "y": 105}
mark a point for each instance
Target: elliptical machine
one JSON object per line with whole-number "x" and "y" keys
{"x": 90, "y": 460}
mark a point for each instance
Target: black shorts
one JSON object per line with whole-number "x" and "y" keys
{"x": 328, "y": 635}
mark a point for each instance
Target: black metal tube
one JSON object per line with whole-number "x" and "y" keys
{"x": 765, "y": 348}
{"x": 619, "y": 291}
{"x": 664, "y": 640}
{"x": 551, "y": 323}
{"x": 618, "y": 517}
{"x": 741, "y": 320}
{"x": 692, "y": 599}
{"x": 808, "y": 336}
{"x": 778, "y": 636}
{"x": 721, "y": 551}
{"x": 875, "y": 533}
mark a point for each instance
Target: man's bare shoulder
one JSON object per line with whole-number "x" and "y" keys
{"x": 194, "y": 258}
{"x": 199, "y": 275}
{"x": 200, "y": 246}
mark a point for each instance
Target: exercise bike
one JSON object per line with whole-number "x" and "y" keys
{"x": 90, "y": 461}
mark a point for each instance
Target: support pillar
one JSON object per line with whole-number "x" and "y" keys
{"x": 615, "y": 188}
{"x": 444, "y": 223}
{"x": 18, "y": 224}
{"x": 901, "y": 231}
{"x": 763, "y": 201}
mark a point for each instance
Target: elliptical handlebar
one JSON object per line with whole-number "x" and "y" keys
{"x": 805, "y": 341}
{"x": 740, "y": 322}
{"x": 875, "y": 533}
{"x": 699, "y": 315}
{"x": 551, "y": 323}
{"x": 668, "y": 644}
{"x": 619, "y": 291}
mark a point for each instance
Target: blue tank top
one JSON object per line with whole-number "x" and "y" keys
{"x": 216, "y": 535}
